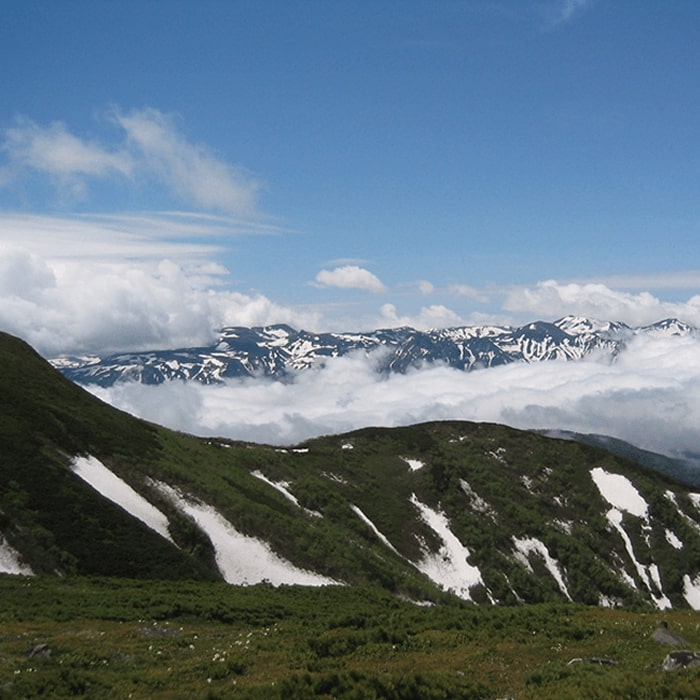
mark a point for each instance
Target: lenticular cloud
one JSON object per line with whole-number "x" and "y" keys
{"x": 649, "y": 397}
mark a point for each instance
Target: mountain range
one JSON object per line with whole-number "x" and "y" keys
{"x": 483, "y": 512}
{"x": 279, "y": 351}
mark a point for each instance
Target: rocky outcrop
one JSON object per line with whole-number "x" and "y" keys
{"x": 663, "y": 635}
{"x": 677, "y": 660}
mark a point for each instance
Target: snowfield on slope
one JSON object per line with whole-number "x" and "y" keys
{"x": 10, "y": 561}
{"x": 242, "y": 560}
{"x": 620, "y": 493}
{"x": 691, "y": 591}
{"x": 109, "y": 485}
{"x": 529, "y": 545}
{"x": 448, "y": 567}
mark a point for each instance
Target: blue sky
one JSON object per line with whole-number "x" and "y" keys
{"x": 170, "y": 167}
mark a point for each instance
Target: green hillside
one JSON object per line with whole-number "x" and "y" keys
{"x": 489, "y": 513}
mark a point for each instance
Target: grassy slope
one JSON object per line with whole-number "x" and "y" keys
{"x": 59, "y": 523}
{"x": 531, "y": 483}
{"x": 110, "y": 638}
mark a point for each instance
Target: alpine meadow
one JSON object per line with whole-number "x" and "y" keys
{"x": 350, "y": 350}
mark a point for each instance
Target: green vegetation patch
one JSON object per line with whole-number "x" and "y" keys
{"x": 105, "y": 638}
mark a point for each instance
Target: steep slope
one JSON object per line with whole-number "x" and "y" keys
{"x": 63, "y": 454}
{"x": 486, "y": 512}
{"x": 57, "y": 521}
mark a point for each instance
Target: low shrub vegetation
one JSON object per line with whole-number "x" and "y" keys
{"x": 106, "y": 638}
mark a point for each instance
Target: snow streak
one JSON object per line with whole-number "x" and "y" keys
{"x": 448, "y": 567}
{"x": 241, "y": 559}
{"x": 109, "y": 485}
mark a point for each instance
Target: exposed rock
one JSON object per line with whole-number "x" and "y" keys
{"x": 593, "y": 660}
{"x": 40, "y": 651}
{"x": 663, "y": 635}
{"x": 677, "y": 660}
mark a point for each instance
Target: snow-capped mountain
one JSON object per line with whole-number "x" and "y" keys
{"x": 277, "y": 351}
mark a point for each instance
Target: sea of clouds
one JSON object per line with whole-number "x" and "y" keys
{"x": 650, "y": 396}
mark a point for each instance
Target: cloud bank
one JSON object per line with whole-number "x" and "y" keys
{"x": 551, "y": 299}
{"x": 98, "y": 306}
{"x": 649, "y": 397}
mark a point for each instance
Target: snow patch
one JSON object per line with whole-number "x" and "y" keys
{"x": 283, "y": 488}
{"x": 109, "y": 485}
{"x": 242, "y": 560}
{"x": 673, "y": 540}
{"x": 528, "y": 483}
{"x": 614, "y": 517}
{"x": 497, "y": 454}
{"x": 619, "y": 492}
{"x": 672, "y": 497}
{"x": 605, "y": 601}
{"x": 529, "y": 545}
{"x": 10, "y": 560}
{"x": 448, "y": 567}
{"x": 477, "y": 502}
{"x": 565, "y": 526}
{"x": 691, "y": 591}
{"x": 413, "y": 464}
{"x": 695, "y": 499}
{"x": 372, "y": 527}
{"x": 334, "y": 477}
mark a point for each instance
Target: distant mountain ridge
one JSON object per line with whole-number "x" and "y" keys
{"x": 278, "y": 351}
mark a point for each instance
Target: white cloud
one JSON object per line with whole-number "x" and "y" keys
{"x": 55, "y": 151}
{"x": 650, "y": 397}
{"x": 191, "y": 171}
{"x": 350, "y": 277}
{"x": 569, "y": 8}
{"x": 135, "y": 236}
{"x": 563, "y": 11}
{"x": 68, "y": 160}
{"x": 82, "y": 305}
{"x": 150, "y": 147}
{"x": 550, "y": 299}
{"x": 425, "y": 287}
{"x": 23, "y": 274}
{"x": 80, "y": 284}
{"x": 677, "y": 279}
{"x": 433, "y": 316}
{"x": 465, "y": 290}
